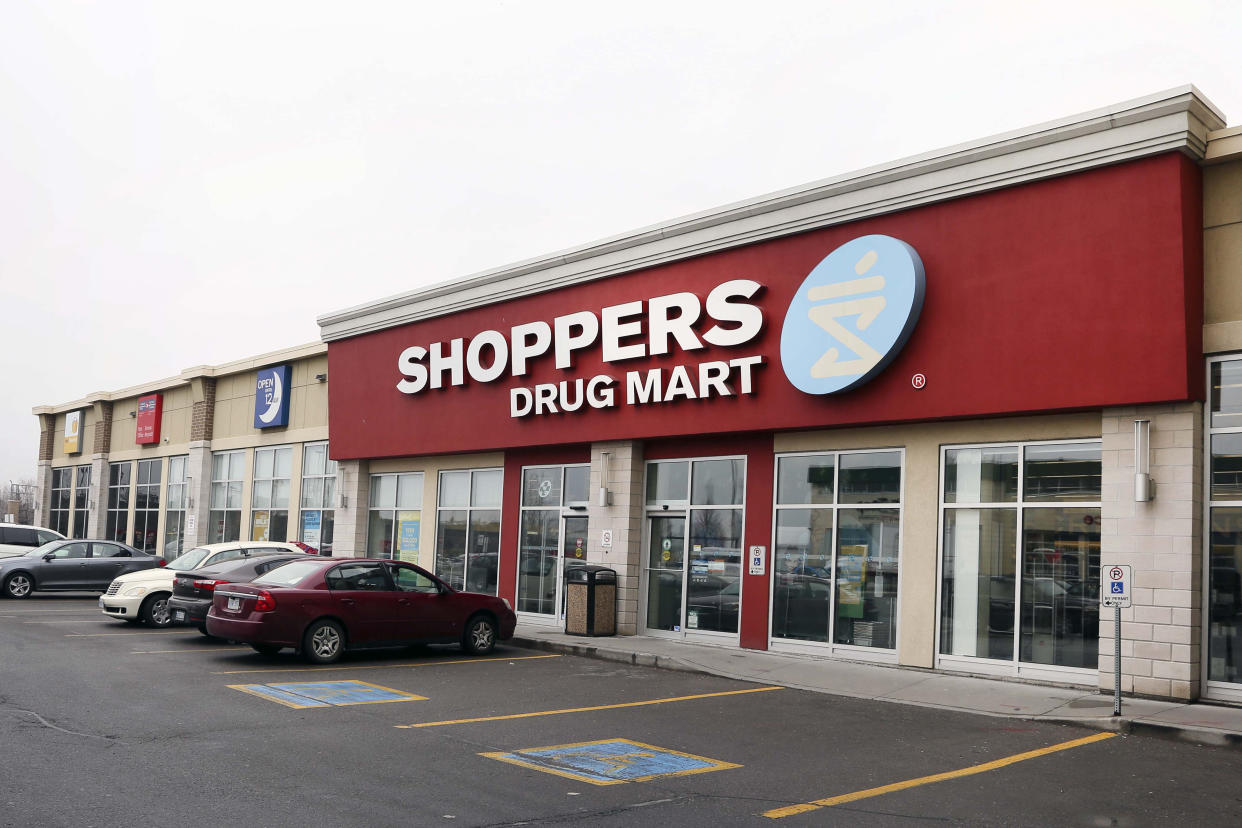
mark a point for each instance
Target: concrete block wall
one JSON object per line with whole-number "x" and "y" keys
{"x": 1161, "y": 539}
{"x": 624, "y": 517}
{"x": 353, "y": 486}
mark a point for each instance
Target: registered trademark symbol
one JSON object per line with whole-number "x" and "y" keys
{"x": 918, "y": 380}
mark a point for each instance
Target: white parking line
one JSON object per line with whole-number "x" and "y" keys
{"x": 206, "y": 650}
{"x": 100, "y": 635}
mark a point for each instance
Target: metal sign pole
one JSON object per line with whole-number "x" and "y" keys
{"x": 1117, "y": 661}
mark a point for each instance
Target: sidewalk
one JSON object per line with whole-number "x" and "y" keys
{"x": 1195, "y": 722}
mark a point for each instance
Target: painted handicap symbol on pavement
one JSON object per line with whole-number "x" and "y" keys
{"x": 610, "y": 761}
{"x": 325, "y": 693}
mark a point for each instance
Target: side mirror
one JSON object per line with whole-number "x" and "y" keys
{"x": 48, "y": 557}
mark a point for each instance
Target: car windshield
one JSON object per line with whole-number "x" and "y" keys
{"x": 189, "y": 560}
{"x": 289, "y": 574}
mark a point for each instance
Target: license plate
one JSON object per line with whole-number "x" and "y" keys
{"x": 234, "y": 604}
{"x": 178, "y": 615}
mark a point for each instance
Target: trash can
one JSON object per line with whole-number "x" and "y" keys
{"x": 590, "y": 600}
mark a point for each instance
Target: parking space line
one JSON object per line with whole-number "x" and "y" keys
{"x": 135, "y": 632}
{"x": 617, "y": 706}
{"x": 204, "y": 650}
{"x": 58, "y": 621}
{"x": 380, "y": 666}
{"x": 996, "y": 764}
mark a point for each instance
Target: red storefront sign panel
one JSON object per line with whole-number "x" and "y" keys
{"x": 1072, "y": 293}
{"x": 150, "y": 414}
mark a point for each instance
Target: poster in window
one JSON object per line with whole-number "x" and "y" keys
{"x": 312, "y": 528}
{"x": 408, "y": 526}
{"x": 851, "y": 573}
{"x": 258, "y": 529}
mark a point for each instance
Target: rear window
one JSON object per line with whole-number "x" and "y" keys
{"x": 288, "y": 575}
{"x": 19, "y": 536}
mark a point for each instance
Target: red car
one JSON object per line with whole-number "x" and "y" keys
{"x": 323, "y": 607}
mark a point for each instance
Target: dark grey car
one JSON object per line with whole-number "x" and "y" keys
{"x": 194, "y": 590}
{"x": 71, "y": 565}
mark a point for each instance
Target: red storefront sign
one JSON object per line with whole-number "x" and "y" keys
{"x": 150, "y": 414}
{"x": 1071, "y": 293}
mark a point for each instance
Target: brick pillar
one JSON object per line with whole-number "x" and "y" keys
{"x": 624, "y": 517}
{"x": 353, "y": 486}
{"x": 1161, "y": 539}
{"x": 203, "y": 412}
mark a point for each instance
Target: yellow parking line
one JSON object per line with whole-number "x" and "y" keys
{"x": 207, "y": 650}
{"x": 380, "y": 666}
{"x": 777, "y": 813}
{"x": 589, "y": 709}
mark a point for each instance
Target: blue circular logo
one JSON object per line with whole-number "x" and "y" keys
{"x": 852, "y": 314}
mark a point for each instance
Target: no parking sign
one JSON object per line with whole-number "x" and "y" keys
{"x": 1115, "y": 585}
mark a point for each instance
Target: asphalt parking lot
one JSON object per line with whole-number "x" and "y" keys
{"x": 104, "y": 723}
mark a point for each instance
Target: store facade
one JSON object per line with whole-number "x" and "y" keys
{"x": 902, "y": 416}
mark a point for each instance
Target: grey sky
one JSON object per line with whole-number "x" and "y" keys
{"x": 194, "y": 183}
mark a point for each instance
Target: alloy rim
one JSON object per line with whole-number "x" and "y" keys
{"x": 482, "y": 634}
{"x": 19, "y": 585}
{"x": 326, "y": 642}
{"x": 160, "y": 612}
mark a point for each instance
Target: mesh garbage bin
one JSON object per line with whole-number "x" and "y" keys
{"x": 590, "y": 600}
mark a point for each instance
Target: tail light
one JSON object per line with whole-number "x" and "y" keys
{"x": 162, "y": 562}
{"x": 264, "y": 602}
{"x": 208, "y": 585}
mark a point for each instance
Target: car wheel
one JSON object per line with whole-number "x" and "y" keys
{"x": 155, "y": 611}
{"x": 19, "y": 585}
{"x": 324, "y": 642}
{"x": 480, "y": 635}
{"x": 266, "y": 649}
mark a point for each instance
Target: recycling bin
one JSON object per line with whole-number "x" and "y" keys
{"x": 590, "y": 600}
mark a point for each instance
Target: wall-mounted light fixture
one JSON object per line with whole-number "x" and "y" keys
{"x": 321, "y": 377}
{"x": 605, "y": 468}
{"x": 133, "y": 414}
{"x": 1144, "y": 486}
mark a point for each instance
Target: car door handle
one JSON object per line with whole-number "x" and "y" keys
{"x": 405, "y": 602}
{"x": 349, "y": 601}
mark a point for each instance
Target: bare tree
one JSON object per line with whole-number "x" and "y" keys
{"x": 20, "y": 501}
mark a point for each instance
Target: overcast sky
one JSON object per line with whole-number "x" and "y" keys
{"x": 188, "y": 183}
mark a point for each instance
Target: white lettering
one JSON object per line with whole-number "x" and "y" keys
{"x": 529, "y": 340}
{"x": 500, "y": 356}
{"x": 545, "y": 398}
{"x": 639, "y": 391}
{"x": 661, "y": 326}
{"x": 745, "y": 363}
{"x": 615, "y": 329}
{"x": 566, "y": 405}
{"x": 451, "y": 363}
{"x": 520, "y": 402}
{"x": 679, "y": 385}
{"x": 600, "y": 393}
{"x": 712, "y": 375}
{"x": 567, "y": 342}
{"x": 749, "y": 318}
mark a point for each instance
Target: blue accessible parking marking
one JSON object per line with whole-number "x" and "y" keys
{"x": 325, "y": 693}
{"x": 610, "y": 761}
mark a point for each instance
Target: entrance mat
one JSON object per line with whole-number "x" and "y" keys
{"x": 326, "y": 693}
{"x": 610, "y": 761}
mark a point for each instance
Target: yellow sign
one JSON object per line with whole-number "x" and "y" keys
{"x": 258, "y": 528}
{"x": 73, "y": 432}
{"x": 851, "y": 577}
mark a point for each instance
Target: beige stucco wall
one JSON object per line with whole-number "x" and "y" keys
{"x": 1222, "y": 257}
{"x": 916, "y": 624}
{"x": 308, "y": 409}
{"x": 86, "y": 444}
{"x": 174, "y": 427}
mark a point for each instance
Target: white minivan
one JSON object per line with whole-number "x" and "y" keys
{"x": 18, "y": 538}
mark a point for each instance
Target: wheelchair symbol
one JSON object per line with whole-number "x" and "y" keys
{"x": 1118, "y": 587}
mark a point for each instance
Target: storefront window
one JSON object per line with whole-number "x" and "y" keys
{"x": 395, "y": 517}
{"x": 62, "y": 493}
{"x": 147, "y": 505}
{"x": 269, "y": 499}
{"x": 81, "y": 501}
{"x": 1020, "y": 573}
{"x": 228, "y": 471}
{"x": 318, "y": 496}
{"x": 835, "y": 570}
{"x": 174, "y": 515}
{"x": 1224, "y": 598}
{"x": 553, "y": 533}
{"x": 116, "y": 521}
{"x": 468, "y": 529}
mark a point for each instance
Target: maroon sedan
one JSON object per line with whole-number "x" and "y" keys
{"x": 323, "y": 607}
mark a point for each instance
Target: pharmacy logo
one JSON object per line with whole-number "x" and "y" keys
{"x": 852, "y": 314}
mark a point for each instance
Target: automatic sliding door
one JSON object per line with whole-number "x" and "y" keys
{"x": 666, "y": 563}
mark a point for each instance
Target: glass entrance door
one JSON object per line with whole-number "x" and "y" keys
{"x": 666, "y": 567}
